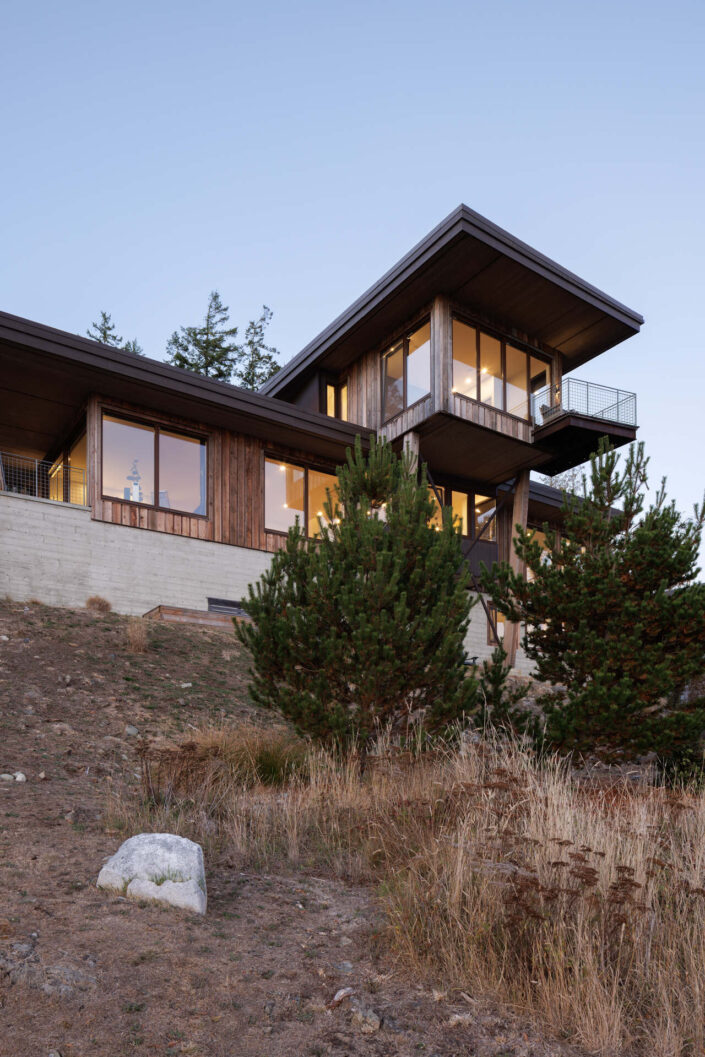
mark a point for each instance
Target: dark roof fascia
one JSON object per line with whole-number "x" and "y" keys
{"x": 150, "y": 373}
{"x": 463, "y": 221}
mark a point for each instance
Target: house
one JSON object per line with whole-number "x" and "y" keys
{"x": 150, "y": 485}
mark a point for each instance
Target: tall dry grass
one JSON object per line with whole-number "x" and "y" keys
{"x": 580, "y": 904}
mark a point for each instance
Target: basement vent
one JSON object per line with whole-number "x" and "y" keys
{"x": 226, "y": 605}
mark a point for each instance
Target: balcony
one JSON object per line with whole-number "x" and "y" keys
{"x": 570, "y": 418}
{"x": 575, "y": 397}
{"x": 42, "y": 479}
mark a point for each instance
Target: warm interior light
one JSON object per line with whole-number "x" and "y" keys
{"x": 319, "y": 513}
{"x": 484, "y": 370}
{"x": 285, "y": 505}
{"x": 282, "y": 466}
{"x": 468, "y": 381}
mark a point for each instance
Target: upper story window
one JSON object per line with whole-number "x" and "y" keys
{"x": 407, "y": 372}
{"x": 293, "y": 492}
{"x": 154, "y": 466}
{"x": 496, "y": 372}
{"x": 337, "y": 400}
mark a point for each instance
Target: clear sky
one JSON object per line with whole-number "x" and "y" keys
{"x": 291, "y": 153}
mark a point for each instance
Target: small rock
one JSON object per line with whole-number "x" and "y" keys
{"x": 459, "y": 1019}
{"x": 185, "y": 686}
{"x": 344, "y": 967}
{"x": 131, "y": 731}
{"x": 7, "y": 777}
{"x": 42, "y": 776}
{"x": 4, "y": 638}
{"x": 19, "y": 777}
{"x": 345, "y": 941}
{"x": 340, "y": 996}
{"x": 367, "y": 1020}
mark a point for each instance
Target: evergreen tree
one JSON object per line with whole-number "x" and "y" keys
{"x": 256, "y": 361}
{"x": 106, "y": 332}
{"x": 209, "y": 349}
{"x": 134, "y": 347}
{"x": 614, "y": 616}
{"x": 365, "y": 626}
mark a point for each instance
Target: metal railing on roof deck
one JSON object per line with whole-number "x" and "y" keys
{"x": 42, "y": 479}
{"x": 574, "y": 396}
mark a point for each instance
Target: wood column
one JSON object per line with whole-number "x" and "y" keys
{"x": 412, "y": 444}
{"x": 520, "y": 514}
{"x": 441, "y": 354}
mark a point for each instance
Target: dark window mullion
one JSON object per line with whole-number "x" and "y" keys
{"x": 155, "y": 498}
{"x": 404, "y": 357}
{"x": 478, "y": 364}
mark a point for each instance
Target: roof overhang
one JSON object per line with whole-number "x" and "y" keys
{"x": 47, "y": 375}
{"x": 490, "y": 273}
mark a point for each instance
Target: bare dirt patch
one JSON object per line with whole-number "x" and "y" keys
{"x": 84, "y": 973}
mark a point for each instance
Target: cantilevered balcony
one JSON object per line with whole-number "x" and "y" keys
{"x": 570, "y": 418}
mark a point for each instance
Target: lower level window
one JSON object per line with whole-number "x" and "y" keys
{"x": 292, "y": 493}
{"x": 154, "y": 466}
{"x": 500, "y": 623}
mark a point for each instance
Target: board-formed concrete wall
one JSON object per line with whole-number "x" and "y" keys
{"x": 56, "y": 553}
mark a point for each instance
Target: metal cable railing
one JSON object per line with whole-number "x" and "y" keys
{"x": 42, "y": 479}
{"x": 574, "y": 396}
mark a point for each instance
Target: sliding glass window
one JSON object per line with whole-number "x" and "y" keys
{"x": 496, "y": 372}
{"x": 141, "y": 463}
{"x": 293, "y": 492}
{"x": 283, "y": 495}
{"x": 407, "y": 372}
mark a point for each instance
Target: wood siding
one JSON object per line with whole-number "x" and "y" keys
{"x": 235, "y": 511}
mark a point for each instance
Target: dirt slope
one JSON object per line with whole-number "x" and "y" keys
{"x": 84, "y": 973}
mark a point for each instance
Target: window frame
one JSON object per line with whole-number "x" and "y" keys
{"x": 522, "y": 346}
{"x": 337, "y": 385}
{"x": 449, "y": 485}
{"x": 403, "y": 340}
{"x": 493, "y": 640}
{"x": 301, "y": 464}
{"x": 156, "y": 427}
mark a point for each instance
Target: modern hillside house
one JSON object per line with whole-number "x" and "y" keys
{"x": 153, "y": 486}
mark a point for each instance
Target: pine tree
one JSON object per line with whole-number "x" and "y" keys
{"x": 106, "y": 332}
{"x": 614, "y": 616}
{"x": 365, "y": 626}
{"x": 256, "y": 362}
{"x": 210, "y": 349}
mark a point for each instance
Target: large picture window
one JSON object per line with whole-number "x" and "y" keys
{"x": 293, "y": 492}
{"x": 154, "y": 466}
{"x": 496, "y": 372}
{"x": 406, "y": 375}
{"x": 471, "y": 510}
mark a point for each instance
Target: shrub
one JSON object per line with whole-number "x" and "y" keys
{"x": 137, "y": 635}
{"x": 98, "y": 604}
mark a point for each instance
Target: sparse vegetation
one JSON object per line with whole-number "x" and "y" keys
{"x": 578, "y": 902}
{"x": 137, "y": 635}
{"x": 98, "y": 604}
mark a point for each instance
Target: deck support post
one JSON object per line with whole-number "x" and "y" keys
{"x": 520, "y": 513}
{"x": 412, "y": 446}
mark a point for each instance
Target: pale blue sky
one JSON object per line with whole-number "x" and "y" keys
{"x": 291, "y": 153}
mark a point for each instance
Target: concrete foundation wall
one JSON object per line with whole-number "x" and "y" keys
{"x": 55, "y": 553}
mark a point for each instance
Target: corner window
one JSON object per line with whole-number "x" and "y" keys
{"x": 496, "y": 372}
{"x": 153, "y": 466}
{"x": 293, "y": 492}
{"x": 407, "y": 371}
{"x": 471, "y": 511}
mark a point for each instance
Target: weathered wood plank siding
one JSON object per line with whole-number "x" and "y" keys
{"x": 235, "y": 474}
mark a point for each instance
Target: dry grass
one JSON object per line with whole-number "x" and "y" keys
{"x": 98, "y": 604}
{"x": 137, "y": 635}
{"x": 583, "y": 905}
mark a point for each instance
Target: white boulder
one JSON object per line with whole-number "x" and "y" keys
{"x": 158, "y": 866}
